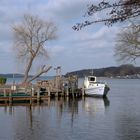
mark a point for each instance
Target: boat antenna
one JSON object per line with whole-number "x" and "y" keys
{"x": 92, "y": 72}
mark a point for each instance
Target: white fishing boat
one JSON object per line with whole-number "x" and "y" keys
{"x": 94, "y": 88}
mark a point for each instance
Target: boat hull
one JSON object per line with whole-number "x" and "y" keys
{"x": 97, "y": 91}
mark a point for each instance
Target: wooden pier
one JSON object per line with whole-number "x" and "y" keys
{"x": 22, "y": 97}
{"x": 41, "y": 91}
{"x": 60, "y": 86}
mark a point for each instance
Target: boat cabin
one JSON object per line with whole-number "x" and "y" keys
{"x": 89, "y": 80}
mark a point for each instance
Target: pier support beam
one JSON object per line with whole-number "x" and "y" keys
{"x": 32, "y": 92}
{"x": 4, "y": 92}
{"x": 48, "y": 90}
{"x": 56, "y": 94}
{"x": 10, "y": 97}
{"x": 38, "y": 95}
{"x": 67, "y": 91}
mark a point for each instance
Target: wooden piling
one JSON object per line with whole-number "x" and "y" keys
{"x": 32, "y": 95}
{"x": 48, "y": 90}
{"x": 10, "y": 97}
{"x": 57, "y": 94}
{"x": 67, "y": 91}
{"x": 32, "y": 92}
{"x": 38, "y": 95}
{"x": 4, "y": 92}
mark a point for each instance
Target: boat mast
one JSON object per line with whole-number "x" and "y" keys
{"x": 92, "y": 72}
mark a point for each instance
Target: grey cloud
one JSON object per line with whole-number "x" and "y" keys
{"x": 67, "y": 10}
{"x": 82, "y": 48}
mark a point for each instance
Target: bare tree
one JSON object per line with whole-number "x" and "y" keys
{"x": 117, "y": 11}
{"x": 128, "y": 41}
{"x": 30, "y": 37}
{"x": 128, "y": 44}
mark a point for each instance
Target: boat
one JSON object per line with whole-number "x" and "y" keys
{"x": 94, "y": 88}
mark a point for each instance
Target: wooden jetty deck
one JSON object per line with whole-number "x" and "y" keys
{"x": 22, "y": 99}
{"x": 42, "y": 90}
{"x": 11, "y": 94}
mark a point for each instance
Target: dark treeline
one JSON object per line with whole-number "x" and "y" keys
{"x": 16, "y": 75}
{"x": 122, "y": 70}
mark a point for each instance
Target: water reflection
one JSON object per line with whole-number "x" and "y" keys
{"x": 61, "y": 106}
{"x": 78, "y": 119}
{"x": 50, "y": 119}
{"x": 96, "y": 105}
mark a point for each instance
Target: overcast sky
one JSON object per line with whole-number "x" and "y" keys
{"x": 92, "y": 47}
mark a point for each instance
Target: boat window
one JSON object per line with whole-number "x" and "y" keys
{"x": 91, "y": 78}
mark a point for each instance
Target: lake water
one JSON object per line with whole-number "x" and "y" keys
{"x": 114, "y": 118}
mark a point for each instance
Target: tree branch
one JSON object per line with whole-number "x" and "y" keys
{"x": 43, "y": 70}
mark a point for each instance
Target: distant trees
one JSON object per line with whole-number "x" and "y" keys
{"x": 118, "y": 11}
{"x": 122, "y": 70}
{"x": 30, "y": 37}
{"x": 127, "y": 70}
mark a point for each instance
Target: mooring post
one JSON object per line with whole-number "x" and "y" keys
{"x": 10, "y": 97}
{"x": 32, "y": 94}
{"x": 67, "y": 91}
{"x": 30, "y": 100}
{"x": 32, "y": 91}
{"x": 62, "y": 90}
{"x": 38, "y": 95}
{"x": 49, "y": 93}
{"x": 56, "y": 94}
{"x": 4, "y": 92}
